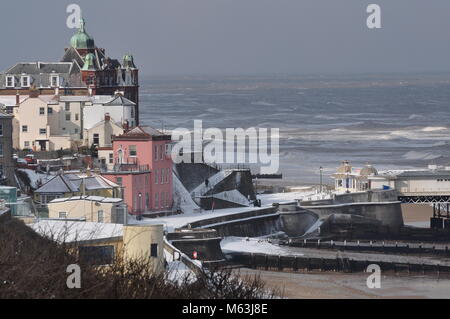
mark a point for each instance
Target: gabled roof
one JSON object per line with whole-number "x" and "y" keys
{"x": 30, "y": 68}
{"x": 103, "y": 122}
{"x": 143, "y": 133}
{"x": 71, "y": 183}
{"x": 108, "y": 100}
{"x": 60, "y": 184}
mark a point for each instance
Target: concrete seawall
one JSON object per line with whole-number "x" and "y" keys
{"x": 255, "y": 223}
{"x": 389, "y": 214}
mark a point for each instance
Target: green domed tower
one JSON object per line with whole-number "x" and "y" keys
{"x": 82, "y": 40}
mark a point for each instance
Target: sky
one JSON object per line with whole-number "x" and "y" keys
{"x": 232, "y": 37}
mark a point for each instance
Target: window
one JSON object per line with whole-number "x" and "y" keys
{"x": 42, "y": 131}
{"x": 67, "y": 106}
{"x": 156, "y": 200}
{"x": 156, "y": 152}
{"x": 162, "y": 175}
{"x": 54, "y": 80}
{"x": 161, "y": 153}
{"x": 133, "y": 151}
{"x": 1, "y": 149}
{"x": 96, "y": 255}
{"x": 167, "y": 176}
{"x": 1, "y": 130}
{"x": 24, "y": 128}
{"x": 147, "y": 201}
{"x": 50, "y": 110}
{"x": 154, "y": 250}
{"x": 25, "y": 81}
{"x": 77, "y": 117}
{"x": 26, "y": 144}
{"x": 119, "y": 181}
{"x": 62, "y": 215}
{"x": 162, "y": 200}
{"x": 76, "y": 131}
{"x": 156, "y": 176}
{"x": 167, "y": 149}
{"x": 100, "y": 216}
{"x": 67, "y": 116}
{"x": 111, "y": 158}
{"x": 10, "y": 81}
{"x": 96, "y": 139}
{"x": 41, "y": 111}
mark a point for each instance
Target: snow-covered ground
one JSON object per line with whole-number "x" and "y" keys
{"x": 178, "y": 221}
{"x": 268, "y": 199}
{"x": 254, "y": 245}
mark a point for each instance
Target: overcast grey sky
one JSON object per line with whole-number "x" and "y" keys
{"x": 238, "y": 36}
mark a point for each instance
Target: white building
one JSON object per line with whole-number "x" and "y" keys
{"x": 348, "y": 179}
{"x": 426, "y": 182}
{"x": 120, "y": 109}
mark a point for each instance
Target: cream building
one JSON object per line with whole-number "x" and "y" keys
{"x": 34, "y": 125}
{"x": 89, "y": 208}
{"x": 101, "y": 133}
{"x": 53, "y": 122}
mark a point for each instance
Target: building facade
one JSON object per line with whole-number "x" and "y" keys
{"x": 6, "y": 148}
{"x": 84, "y": 69}
{"x": 53, "y": 122}
{"x": 143, "y": 166}
{"x": 88, "y": 208}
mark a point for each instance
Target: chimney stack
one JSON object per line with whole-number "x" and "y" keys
{"x": 107, "y": 117}
{"x": 126, "y": 126}
{"x": 17, "y": 98}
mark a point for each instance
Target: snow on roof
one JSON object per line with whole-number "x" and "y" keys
{"x": 74, "y": 231}
{"x": 89, "y": 198}
{"x": 58, "y": 184}
{"x": 10, "y": 100}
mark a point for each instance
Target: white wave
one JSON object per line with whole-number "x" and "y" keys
{"x": 325, "y": 117}
{"x": 433, "y": 128}
{"x": 414, "y": 155}
{"x": 414, "y": 116}
{"x": 263, "y": 103}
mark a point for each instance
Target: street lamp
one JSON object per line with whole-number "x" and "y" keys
{"x": 321, "y": 172}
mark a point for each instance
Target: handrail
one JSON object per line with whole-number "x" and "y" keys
{"x": 198, "y": 270}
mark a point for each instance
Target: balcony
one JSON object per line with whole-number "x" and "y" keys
{"x": 130, "y": 168}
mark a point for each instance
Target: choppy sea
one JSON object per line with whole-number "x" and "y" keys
{"x": 391, "y": 121}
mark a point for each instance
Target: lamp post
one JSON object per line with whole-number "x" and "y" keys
{"x": 321, "y": 172}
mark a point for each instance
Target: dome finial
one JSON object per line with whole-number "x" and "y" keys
{"x": 82, "y": 24}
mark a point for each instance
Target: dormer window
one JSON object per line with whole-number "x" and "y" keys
{"x": 10, "y": 81}
{"x": 54, "y": 80}
{"x": 25, "y": 81}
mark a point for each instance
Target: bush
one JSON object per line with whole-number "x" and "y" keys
{"x": 35, "y": 267}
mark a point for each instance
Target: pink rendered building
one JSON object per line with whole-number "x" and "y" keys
{"x": 143, "y": 166}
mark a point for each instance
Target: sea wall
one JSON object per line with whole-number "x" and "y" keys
{"x": 388, "y": 213}
{"x": 255, "y": 223}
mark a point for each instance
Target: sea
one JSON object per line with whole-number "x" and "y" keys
{"x": 391, "y": 121}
